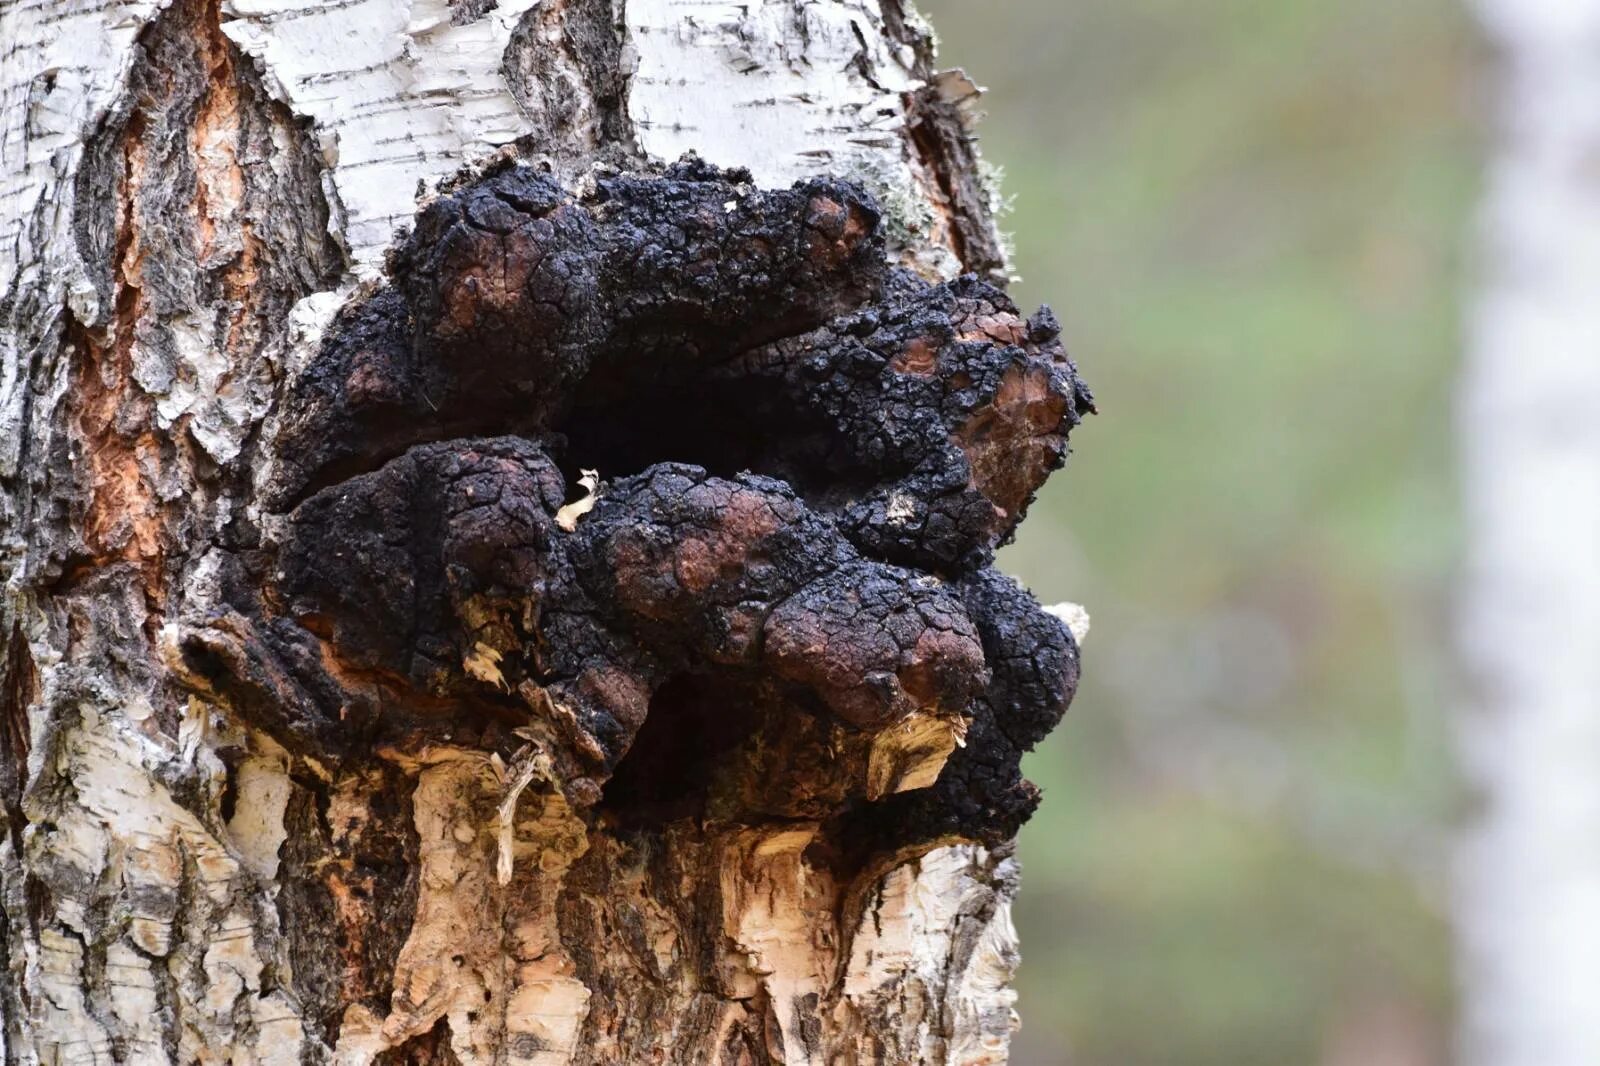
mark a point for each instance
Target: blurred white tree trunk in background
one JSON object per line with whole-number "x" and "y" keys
{"x": 1528, "y": 899}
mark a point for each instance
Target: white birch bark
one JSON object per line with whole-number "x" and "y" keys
{"x": 1528, "y": 904}
{"x": 188, "y": 191}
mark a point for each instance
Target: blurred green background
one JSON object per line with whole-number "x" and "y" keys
{"x": 1251, "y": 217}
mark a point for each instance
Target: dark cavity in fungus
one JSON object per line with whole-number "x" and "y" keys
{"x": 810, "y": 459}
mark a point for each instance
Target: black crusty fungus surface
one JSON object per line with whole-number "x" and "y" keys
{"x": 811, "y": 459}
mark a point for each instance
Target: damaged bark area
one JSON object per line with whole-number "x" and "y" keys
{"x": 768, "y": 652}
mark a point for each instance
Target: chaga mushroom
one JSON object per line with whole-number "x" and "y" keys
{"x": 800, "y": 622}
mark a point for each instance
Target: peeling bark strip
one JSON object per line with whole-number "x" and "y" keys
{"x": 339, "y": 724}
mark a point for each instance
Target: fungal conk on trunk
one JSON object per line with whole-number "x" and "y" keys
{"x": 780, "y": 603}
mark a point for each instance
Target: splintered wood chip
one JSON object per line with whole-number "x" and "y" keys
{"x": 567, "y": 517}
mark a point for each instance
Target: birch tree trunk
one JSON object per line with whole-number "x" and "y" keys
{"x": 312, "y": 755}
{"x": 1528, "y": 905}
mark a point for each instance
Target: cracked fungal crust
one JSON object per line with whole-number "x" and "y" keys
{"x": 781, "y": 603}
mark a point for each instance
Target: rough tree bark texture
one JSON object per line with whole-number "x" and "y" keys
{"x": 345, "y": 718}
{"x": 1528, "y": 906}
